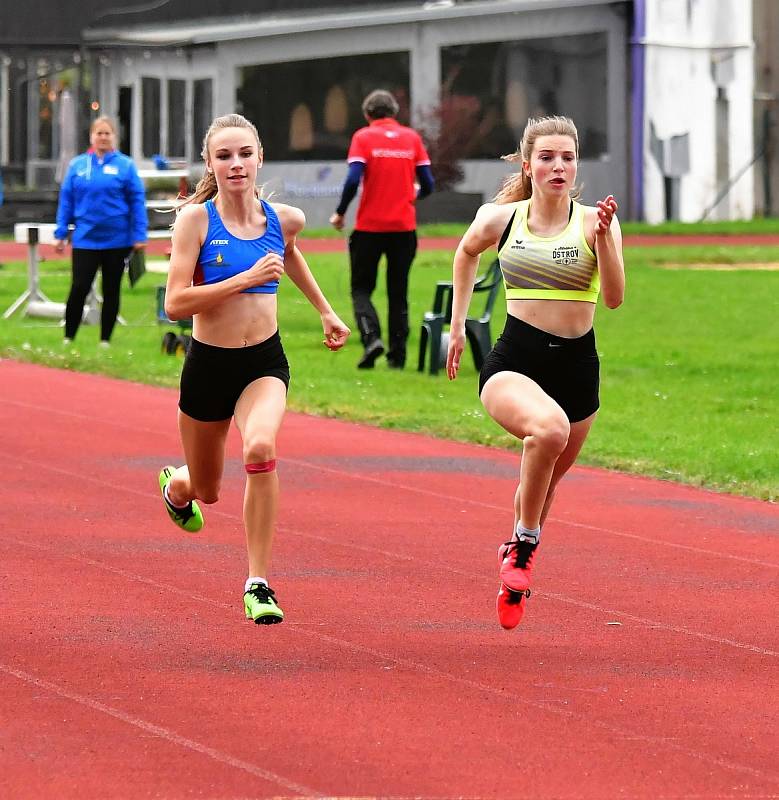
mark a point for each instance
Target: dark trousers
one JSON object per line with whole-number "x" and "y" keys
{"x": 365, "y": 250}
{"x": 85, "y": 266}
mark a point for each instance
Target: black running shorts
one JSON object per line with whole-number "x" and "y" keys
{"x": 568, "y": 370}
{"x": 214, "y": 377}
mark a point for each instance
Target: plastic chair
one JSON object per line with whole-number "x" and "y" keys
{"x": 434, "y": 341}
{"x": 172, "y": 343}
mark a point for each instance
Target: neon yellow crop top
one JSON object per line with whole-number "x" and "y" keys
{"x": 561, "y": 267}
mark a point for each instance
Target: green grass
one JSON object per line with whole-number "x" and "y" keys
{"x": 689, "y": 364}
{"x": 663, "y": 255}
{"x": 758, "y": 225}
{"x": 690, "y": 388}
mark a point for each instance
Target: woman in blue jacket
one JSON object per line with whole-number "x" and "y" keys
{"x": 103, "y": 198}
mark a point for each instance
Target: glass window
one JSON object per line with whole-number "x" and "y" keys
{"x": 47, "y": 94}
{"x": 490, "y": 90}
{"x": 201, "y": 113}
{"x": 308, "y": 110}
{"x": 125, "y": 119}
{"x": 57, "y": 115}
{"x": 177, "y": 93}
{"x": 150, "y": 102}
{"x": 17, "y": 124}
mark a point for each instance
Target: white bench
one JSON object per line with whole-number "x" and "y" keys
{"x": 45, "y": 232}
{"x": 145, "y": 174}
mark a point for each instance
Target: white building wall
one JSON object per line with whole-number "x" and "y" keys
{"x": 513, "y": 20}
{"x": 424, "y": 41}
{"x": 131, "y": 66}
{"x": 694, "y": 51}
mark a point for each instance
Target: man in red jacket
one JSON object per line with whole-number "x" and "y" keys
{"x": 389, "y": 159}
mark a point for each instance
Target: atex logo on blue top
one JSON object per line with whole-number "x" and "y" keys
{"x": 218, "y": 242}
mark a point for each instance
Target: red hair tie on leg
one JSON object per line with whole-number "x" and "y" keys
{"x": 264, "y": 466}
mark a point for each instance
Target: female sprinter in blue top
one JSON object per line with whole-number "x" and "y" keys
{"x": 230, "y": 248}
{"x": 540, "y": 381}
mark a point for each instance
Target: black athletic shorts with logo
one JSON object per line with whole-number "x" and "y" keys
{"x": 568, "y": 370}
{"x": 214, "y": 377}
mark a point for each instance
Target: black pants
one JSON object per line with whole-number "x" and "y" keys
{"x": 85, "y": 265}
{"x": 365, "y": 250}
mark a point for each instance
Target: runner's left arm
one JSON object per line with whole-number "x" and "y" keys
{"x": 608, "y": 251}
{"x": 295, "y": 266}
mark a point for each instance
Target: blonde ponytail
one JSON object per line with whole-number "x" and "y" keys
{"x": 516, "y": 186}
{"x": 204, "y": 190}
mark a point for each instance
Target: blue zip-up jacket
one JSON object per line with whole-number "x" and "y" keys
{"x": 105, "y": 200}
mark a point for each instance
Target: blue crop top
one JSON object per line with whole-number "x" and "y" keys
{"x": 224, "y": 255}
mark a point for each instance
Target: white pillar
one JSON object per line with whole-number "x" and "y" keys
{"x": 425, "y": 72}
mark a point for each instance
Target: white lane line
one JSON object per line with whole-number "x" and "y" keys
{"x": 157, "y": 730}
{"x": 451, "y": 499}
{"x": 650, "y": 623}
{"x": 660, "y": 625}
{"x": 493, "y": 507}
{"x": 543, "y": 705}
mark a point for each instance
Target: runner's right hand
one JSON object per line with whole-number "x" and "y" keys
{"x": 455, "y": 351}
{"x": 264, "y": 270}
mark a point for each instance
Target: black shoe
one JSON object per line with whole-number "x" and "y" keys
{"x": 372, "y": 352}
{"x": 393, "y": 364}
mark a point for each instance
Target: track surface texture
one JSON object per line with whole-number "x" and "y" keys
{"x": 645, "y": 667}
{"x": 15, "y": 251}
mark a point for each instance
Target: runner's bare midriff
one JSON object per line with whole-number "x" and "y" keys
{"x": 241, "y": 321}
{"x": 567, "y": 318}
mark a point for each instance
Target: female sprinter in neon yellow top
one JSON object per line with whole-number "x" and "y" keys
{"x": 540, "y": 381}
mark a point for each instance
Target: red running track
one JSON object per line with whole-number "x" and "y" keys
{"x": 13, "y": 251}
{"x": 646, "y": 666}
